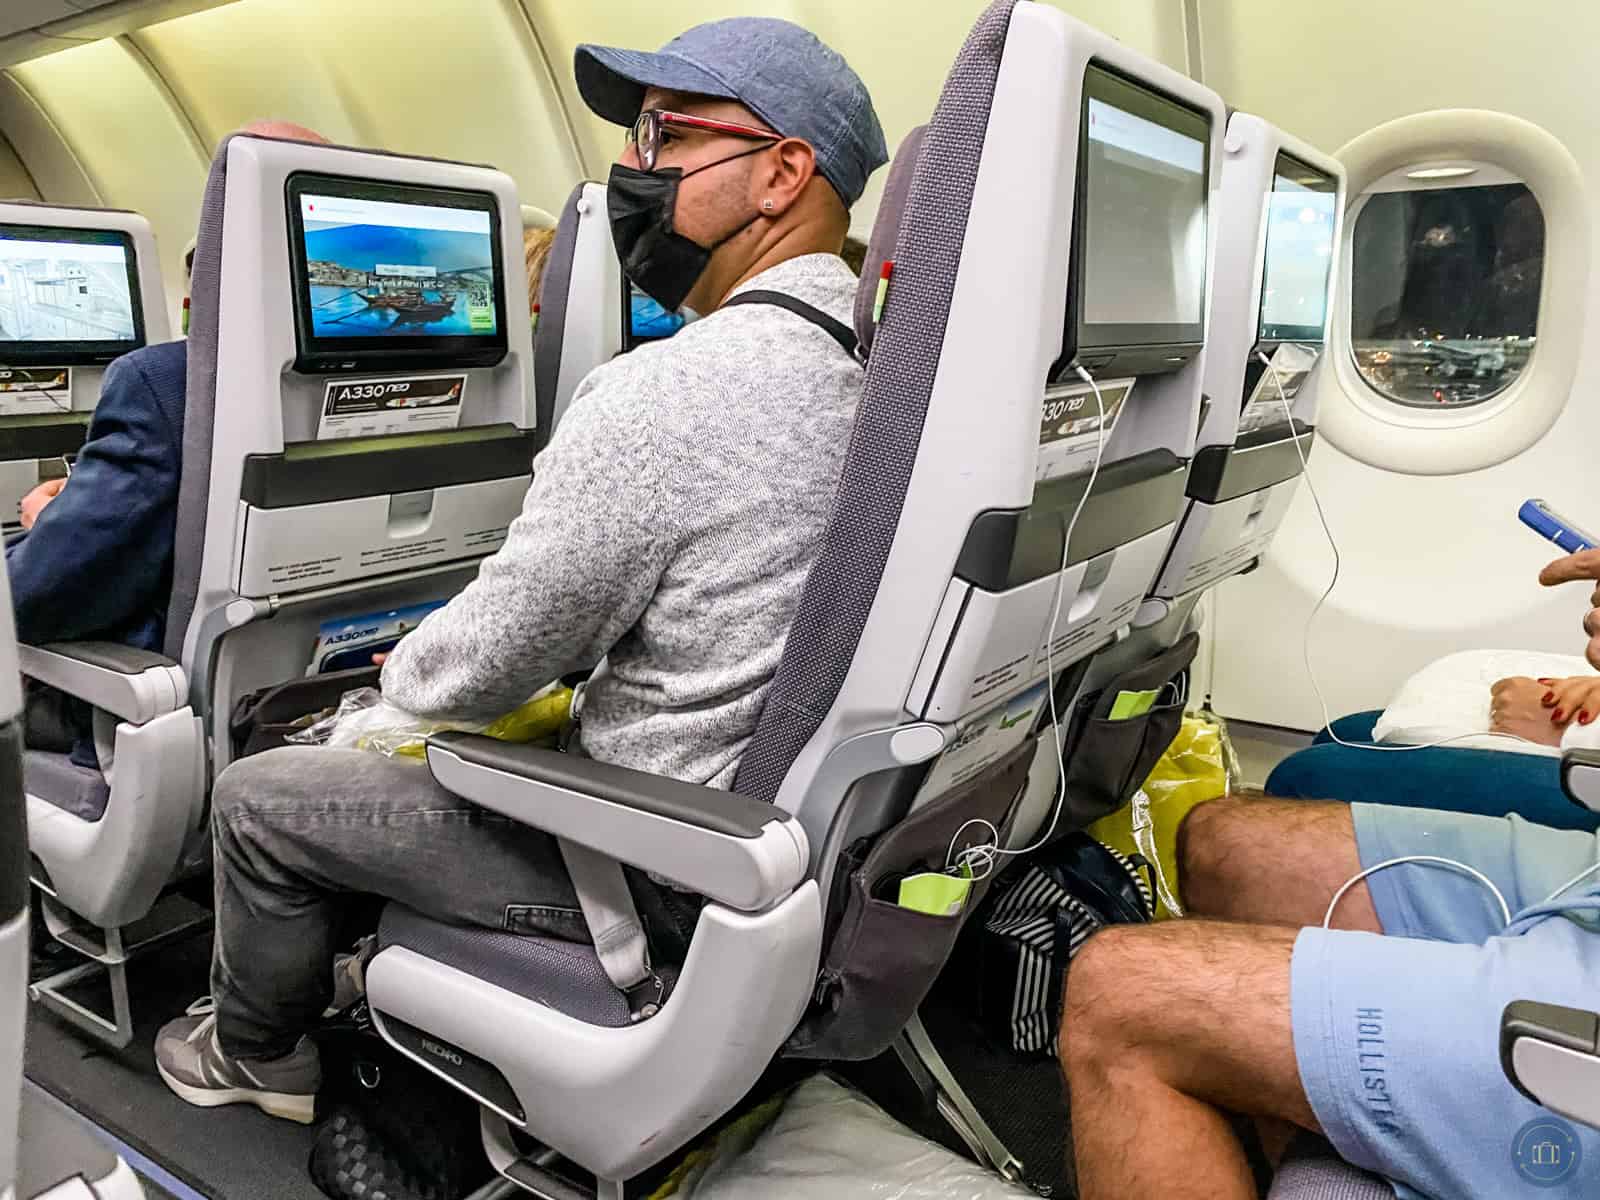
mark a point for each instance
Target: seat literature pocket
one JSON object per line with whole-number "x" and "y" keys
{"x": 883, "y": 958}
{"x": 1110, "y": 752}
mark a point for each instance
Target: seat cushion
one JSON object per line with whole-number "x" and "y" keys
{"x": 565, "y": 976}
{"x": 57, "y": 780}
{"x": 1311, "y": 1170}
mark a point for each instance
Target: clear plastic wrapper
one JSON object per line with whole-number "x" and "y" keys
{"x": 364, "y": 720}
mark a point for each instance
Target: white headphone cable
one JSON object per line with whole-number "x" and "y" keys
{"x": 1338, "y": 562}
{"x": 985, "y": 853}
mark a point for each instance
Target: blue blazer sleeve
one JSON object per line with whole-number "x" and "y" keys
{"x": 99, "y": 558}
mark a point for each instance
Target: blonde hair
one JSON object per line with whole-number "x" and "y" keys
{"x": 536, "y": 245}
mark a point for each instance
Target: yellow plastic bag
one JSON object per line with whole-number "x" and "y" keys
{"x": 543, "y": 716}
{"x": 1192, "y": 771}
{"x": 364, "y": 720}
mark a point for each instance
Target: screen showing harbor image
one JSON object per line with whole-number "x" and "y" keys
{"x": 67, "y": 296}
{"x": 1294, "y": 283}
{"x": 388, "y": 269}
{"x": 1143, "y": 234}
{"x": 643, "y": 318}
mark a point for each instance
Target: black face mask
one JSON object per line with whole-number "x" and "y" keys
{"x": 663, "y": 263}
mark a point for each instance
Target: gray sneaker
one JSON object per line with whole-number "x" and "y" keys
{"x": 191, "y": 1061}
{"x": 350, "y": 975}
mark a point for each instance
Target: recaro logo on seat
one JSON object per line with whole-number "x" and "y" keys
{"x": 438, "y": 1051}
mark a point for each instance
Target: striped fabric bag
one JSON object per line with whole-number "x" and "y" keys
{"x": 1038, "y": 919}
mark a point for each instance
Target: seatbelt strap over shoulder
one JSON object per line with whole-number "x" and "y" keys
{"x": 836, "y": 329}
{"x": 610, "y": 913}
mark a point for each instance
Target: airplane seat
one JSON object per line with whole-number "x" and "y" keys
{"x": 885, "y": 233}
{"x": 581, "y": 309}
{"x": 1312, "y": 1171}
{"x": 338, "y": 461}
{"x": 78, "y": 288}
{"x": 1551, "y": 1053}
{"x": 1279, "y": 215}
{"x": 44, "y": 1150}
{"x": 851, "y": 779}
{"x": 1281, "y": 206}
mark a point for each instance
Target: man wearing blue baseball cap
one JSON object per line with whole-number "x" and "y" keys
{"x": 762, "y": 93}
{"x": 667, "y": 535}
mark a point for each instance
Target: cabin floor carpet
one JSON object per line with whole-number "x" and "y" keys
{"x": 1024, "y": 1100}
{"x": 232, "y": 1153}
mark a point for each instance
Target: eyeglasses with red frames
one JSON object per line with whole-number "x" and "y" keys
{"x": 647, "y": 132}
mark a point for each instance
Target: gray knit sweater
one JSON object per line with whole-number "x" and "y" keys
{"x": 669, "y": 528}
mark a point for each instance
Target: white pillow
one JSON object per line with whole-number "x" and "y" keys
{"x": 1449, "y": 699}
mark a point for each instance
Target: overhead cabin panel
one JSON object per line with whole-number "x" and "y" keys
{"x": 413, "y": 76}
{"x": 18, "y": 15}
{"x": 33, "y": 28}
{"x": 102, "y": 99}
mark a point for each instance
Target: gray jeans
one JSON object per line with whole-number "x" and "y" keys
{"x": 298, "y": 832}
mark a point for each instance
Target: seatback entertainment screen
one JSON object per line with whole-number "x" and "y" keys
{"x": 1140, "y": 244}
{"x": 643, "y": 318}
{"x": 394, "y": 274}
{"x": 1294, "y": 282}
{"x": 68, "y": 297}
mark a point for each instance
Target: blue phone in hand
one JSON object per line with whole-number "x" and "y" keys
{"x": 1547, "y": 523}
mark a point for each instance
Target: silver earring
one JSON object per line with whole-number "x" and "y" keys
{"x": 766, "y": 205}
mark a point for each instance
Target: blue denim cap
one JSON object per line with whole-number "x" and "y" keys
{"x": 779, "y": 71}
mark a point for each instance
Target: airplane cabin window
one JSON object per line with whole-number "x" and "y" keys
{"x": 1445, "y": 286}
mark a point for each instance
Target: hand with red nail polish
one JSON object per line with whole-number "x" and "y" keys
{"x": 1518, "y": 707}
{"x": 1575, "y": 698}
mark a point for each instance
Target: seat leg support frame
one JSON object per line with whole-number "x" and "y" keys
{"x": 172, "y": 918}
{"x": 922, "y": 1060}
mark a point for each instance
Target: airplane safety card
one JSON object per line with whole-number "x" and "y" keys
{"x": 983, "y": 740}
{"x": 25, "y": 391}
{"x": 354, "y": 408}
{"x": 1070, "y": 425}
{"x": 1292, "y": 364}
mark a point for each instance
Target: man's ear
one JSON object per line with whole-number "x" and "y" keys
{"x": 783, "y": 176}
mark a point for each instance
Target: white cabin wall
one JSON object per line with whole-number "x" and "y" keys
{"x": 33, "y": 136}
{"x": 15, "y": 182}
{"x": 1431, "y": 564}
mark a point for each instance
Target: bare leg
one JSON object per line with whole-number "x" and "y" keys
{"x": 1165, "y": 1025}
{"x": 1278, "y": 862}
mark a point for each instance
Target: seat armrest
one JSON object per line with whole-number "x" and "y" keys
{"x": 737, "y": 851}
{"x": 135, "y": 685}
{"x": 1580, "y": 778}
{"x": 1552, "y": 1056}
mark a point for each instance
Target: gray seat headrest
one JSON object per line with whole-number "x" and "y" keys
{"x": 886, "y": 230}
